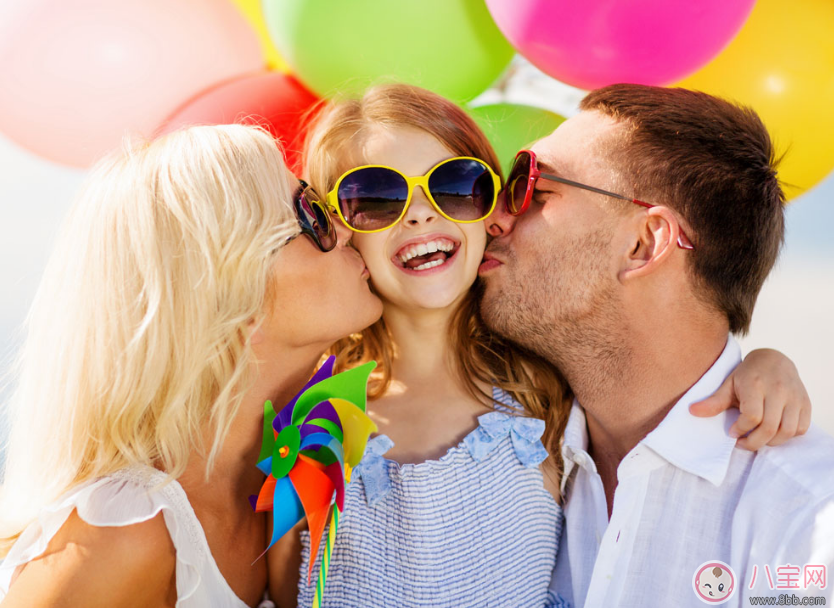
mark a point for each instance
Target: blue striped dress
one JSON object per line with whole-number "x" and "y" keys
{"x": 475, "y": 528}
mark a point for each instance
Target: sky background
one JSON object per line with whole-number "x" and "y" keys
{"x": 794, "y": 312}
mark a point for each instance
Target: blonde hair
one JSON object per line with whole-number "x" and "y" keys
{"x": 137, "y": 339}
{"x": 333, "y": 146}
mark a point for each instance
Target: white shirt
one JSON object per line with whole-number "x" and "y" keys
{"x": 687, "y": 496}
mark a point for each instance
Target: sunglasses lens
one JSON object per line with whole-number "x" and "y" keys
{"x": 324, "y": 225}
{"x": 463, "y": 188}
{"x": 314, "y": 220}
{"x": 517, "y": 183}
{"x": 372, "y": 198}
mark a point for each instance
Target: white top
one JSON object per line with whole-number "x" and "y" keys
{"x": 687, "y": 496}
{"x": 125, "y": 498}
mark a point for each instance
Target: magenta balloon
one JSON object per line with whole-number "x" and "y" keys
{"x": 78, "y": 74}
{"x": 599, "y": 42}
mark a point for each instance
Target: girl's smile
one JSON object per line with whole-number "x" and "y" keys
{"x": 429, "y": 254}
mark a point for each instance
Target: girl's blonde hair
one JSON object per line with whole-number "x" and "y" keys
{"x": 137, "y": 341}
{"x": 333, "y": 146}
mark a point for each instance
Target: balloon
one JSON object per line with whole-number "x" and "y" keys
{"x": 782, "y": 64}
{"x": 451, "y": 47}
{"x": 251, "y": 9}
{"x": 273, "y": 100}
{"x": 511, "y": 127}
{"x": 77, "y": 74}
{"x": 592, "y": 44}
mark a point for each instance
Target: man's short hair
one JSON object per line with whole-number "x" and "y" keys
{"x": 713, "y": 162}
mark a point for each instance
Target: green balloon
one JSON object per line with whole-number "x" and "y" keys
{"x": 511, "y": 127}
{"x": 451, "y": 47}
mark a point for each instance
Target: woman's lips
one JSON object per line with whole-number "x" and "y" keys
{"x": 363, "y": 268}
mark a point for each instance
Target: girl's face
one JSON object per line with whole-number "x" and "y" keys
{"x": 424, "y": 261}
{"x": 318, "y": 297}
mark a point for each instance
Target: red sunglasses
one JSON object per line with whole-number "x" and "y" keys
{"x": 522, "y": 182}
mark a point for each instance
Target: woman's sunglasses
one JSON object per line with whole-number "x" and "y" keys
{"x": 375, "y": 197}
{"x": 522, "y": 182}
{"x": 313, "y": 218}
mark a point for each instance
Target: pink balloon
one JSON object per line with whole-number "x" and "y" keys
{"x": 78, "y": 74}
{"x": 595, "y": 43}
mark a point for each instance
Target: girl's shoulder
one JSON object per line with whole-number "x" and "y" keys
{"x": 503, "y": 440}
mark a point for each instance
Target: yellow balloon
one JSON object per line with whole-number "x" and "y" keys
{"x": 782, "y": 65}
{"x": 251, "y": 9}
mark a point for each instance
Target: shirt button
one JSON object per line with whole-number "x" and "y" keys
{"x": 581, "y": 460}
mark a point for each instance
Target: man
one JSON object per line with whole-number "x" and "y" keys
{"x": 634, "y": 304}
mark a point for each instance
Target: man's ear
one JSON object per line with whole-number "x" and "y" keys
{"x": 654, "y": 241}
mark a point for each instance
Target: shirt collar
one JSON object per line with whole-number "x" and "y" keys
{"x": 701, "y": 446}
{"x": 575, "y": 444}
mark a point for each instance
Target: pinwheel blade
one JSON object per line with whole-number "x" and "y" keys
{"x": 286, "y": 414}
{"x": 269, "y": 434}
{"x": 263, "y": 501}
{"x": 316, "y": 492}
{"x": 350, "y": 385}
{"x": 357, "y": 428}
{"x": 290, "y": 512}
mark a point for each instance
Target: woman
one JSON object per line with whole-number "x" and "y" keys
{"x": 463, "y": 508}
{"x": 177, "y": 300}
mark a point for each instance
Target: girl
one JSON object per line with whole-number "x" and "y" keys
{"x": 177, "y": 300}
{"x": 457, "y": 501}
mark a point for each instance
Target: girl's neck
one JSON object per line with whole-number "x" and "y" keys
{"x": 422, "y": 347}
{"x": 427, "y": 408}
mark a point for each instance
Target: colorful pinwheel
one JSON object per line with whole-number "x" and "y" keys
{"x": 309, "y": 450}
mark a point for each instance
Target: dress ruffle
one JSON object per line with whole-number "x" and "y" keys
{"x": 128, "y": 497}
{"x": 526, "y": 434}
{"x": 493, "y": 427}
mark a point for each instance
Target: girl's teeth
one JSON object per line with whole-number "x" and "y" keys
{"x": 425, "y": 248}
{"x": 428, "y": 265}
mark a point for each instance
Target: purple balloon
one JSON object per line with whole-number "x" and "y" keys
{"x": 596, "y": 43}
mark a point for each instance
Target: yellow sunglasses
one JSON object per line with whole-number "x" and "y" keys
{"x": 373, "y": 198}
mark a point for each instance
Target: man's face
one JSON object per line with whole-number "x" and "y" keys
{"x": 557, "y": 281}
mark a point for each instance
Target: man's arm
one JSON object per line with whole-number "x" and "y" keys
{"x": 803, "y": 555}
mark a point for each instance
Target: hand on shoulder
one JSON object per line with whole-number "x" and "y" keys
{"x": 93, "y": 566}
